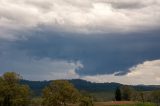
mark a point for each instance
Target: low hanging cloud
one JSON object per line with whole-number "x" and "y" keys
{"x": 146, "y": 73}
{"x": 45, "y": 69}
{"x": 104, "y": 16}
{"x": 50, "y": 53}
{"x": 33, "y": 68}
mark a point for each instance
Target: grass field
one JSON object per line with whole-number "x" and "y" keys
{"x": 102, "y": 96}
{"x": 122, "y": 103}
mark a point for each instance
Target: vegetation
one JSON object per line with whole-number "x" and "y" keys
{"x": 102, "y": 90}
{"x": 60, "y": 93}
{"x": 11, "y": 92}
{"x": 156, "y": 97}
{"x": 127, "y": 92}
{"x": 14, "y": 92}
{"x": 118, "y": 96}
{"x": 130, "y": 94}
{"x": 86, "y": 99}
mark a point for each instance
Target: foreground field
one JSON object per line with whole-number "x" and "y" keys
{"x": 113, "y": 103}
{"x": 121, "y": 103}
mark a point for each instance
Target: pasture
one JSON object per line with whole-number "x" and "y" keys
{"x": 121, "y": 103}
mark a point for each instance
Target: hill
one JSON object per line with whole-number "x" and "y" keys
{"x": 37, "y": 86}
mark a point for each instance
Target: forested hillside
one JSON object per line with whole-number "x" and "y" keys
{"x": 37, "y": 86}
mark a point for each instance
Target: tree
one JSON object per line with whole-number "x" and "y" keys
{"x": 86, "y": 99}
{"x": 126, "y": 92}
{"x": 156, "y": 97}
{"x": 142, "y": 97}
{"x": 1, "y": 91}
{"x": 11, "y": 92}
{"x": 36, "y": 101}
{"x": 118, "y": 94}
{"x": 60, "y": 93}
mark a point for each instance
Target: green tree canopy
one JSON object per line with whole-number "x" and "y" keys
{"x": 60, "y": 93}
{"x": 118, "y": 95}
{"x": 11, "y": 92}
{"x": 127, "y": 92}
{"x": 86, "y": 99}
{"x": 156, "y": 97}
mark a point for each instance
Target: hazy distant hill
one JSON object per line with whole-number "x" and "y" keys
{"x": 37, "y": 86}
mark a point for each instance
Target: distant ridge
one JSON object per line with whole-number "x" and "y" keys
{"x": 37, "y": 86}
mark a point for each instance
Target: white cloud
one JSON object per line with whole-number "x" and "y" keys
{"x": 81, "y": 16}
{"x": 146, "y": 73}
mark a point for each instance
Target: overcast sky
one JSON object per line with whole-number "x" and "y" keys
{"x": 95, "y": 40}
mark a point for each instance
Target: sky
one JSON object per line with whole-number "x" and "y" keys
{"x": 95, "y": 40}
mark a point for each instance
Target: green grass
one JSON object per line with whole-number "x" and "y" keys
{"x": 135, "y": 104}
{"x": 102, "y": 96}
{"x": 132, "y": 104}
{"x": 145, "y": 104}
{"x": 112, "y": 104}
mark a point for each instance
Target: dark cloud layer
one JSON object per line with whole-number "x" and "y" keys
{"x": 75, "y": 38}
{"x": 99, "y": 53}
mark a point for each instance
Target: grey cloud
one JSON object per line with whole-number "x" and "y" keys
{"x": 103, "y": 36}
{"x": 43, "y": 6}
{"x": 128, "y": 5}
{"x": 98, "y": 15}
{"x": 34, "y": 68}
{"x": 145, "y": 73}
{"x": 99, "y": 54}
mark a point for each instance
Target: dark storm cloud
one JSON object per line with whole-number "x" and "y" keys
{"x": 55, "y": 37}
{"x": 99, "y": 54}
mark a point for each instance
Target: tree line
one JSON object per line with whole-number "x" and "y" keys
{"x": 62, "y": 93}
{"x": 57, "y": 93}
{"x": 128, "y": 93}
